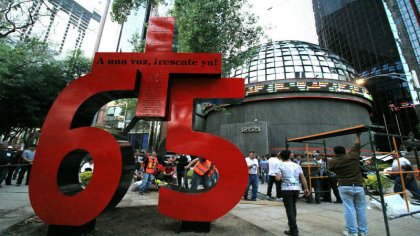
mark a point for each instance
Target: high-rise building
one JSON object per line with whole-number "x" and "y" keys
{"x": 65, "y": 24}
{"x": 368, "y": 35}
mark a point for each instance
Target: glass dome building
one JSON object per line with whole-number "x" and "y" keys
{"x": 293, "y": 89}
{"x": 291, "y": 60}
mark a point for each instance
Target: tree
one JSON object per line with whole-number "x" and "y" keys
{"x": 30, "y": 80}
{"x": 137, "y": 42}
{"x": 16, "y": 15}
{"x": 75, "y": 65}
{"x": 225, "y": 27}
{"x": 121, "y": 9}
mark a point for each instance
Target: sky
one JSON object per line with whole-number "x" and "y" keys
{"x": 286, "y": 19}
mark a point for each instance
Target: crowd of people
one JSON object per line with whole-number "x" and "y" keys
{"x": 342, "y": 174}
{"x": 288, "y": 172}
{"x": 183, "y": 172}
{"x": 264, "y": 169}
{"x": 15, "y": 163}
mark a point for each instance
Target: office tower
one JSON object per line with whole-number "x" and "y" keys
{"x": 367, "y": 35}
{"x": 65, "y": 24}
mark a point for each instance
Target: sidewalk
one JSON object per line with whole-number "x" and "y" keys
{"x": 247, "y": 218}
{"x": 14, "y": 205}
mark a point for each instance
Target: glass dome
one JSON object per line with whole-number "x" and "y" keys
{"x": 294, "y": 60}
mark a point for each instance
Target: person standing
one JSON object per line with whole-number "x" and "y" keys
{"x": 150, "y": 164}
{"x": 5, "y": 159}
{"x": 352, "y": 192}
{"x": 252, "y": 164}
{"x": 264, "y": 169}
{"x": 273, "y": 163}
{"x": 28, "y": 157}
{"x": 201, "y": 173}
{"x": 181, "y": 163}
{"x": 16, "y": 160}
{"x": 291, "y": 173}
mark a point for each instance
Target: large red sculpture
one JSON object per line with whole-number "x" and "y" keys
{"x": 67, "y": 137}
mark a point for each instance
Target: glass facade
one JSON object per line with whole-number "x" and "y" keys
{"x": 355, "y": 30}
{"x": 409, "y": 10}
{"x": 366, "y": 35}
{"x": 282, "y": 60}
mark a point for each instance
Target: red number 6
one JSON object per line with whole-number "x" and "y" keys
{"x": 60, "y": 200}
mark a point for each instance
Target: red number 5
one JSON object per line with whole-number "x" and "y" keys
{"x": 228, "y": 159}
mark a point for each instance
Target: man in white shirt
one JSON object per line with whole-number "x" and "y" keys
{"x": 273, "y": 164}
{"x": 252, "y": 164}
{"x": 291, "y": 174}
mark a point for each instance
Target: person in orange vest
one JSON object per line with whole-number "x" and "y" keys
{"x": 201, "y": 174}
{"x": 150, "y": 164}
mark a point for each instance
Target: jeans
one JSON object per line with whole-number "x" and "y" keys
{"x": 23, "y": 170}
{"x": 334, "y": 186}
{"x": 180, "y": 177}
{"x": 197, "y": 180}
{"x": 354, "y": 202}
{"x": 147, "y": 180}
{"x": 290, "y": 198}
{"x": 214, "y": 178}
{"x": 10, "y": 171}
{"x": 410, "y": 184}
{"x": 264, "y": 175}
{"x": 16, "y": 172}
{"x": 316, "y": 185}
{"x": 252, "y": 180}
{"x": 271, "y": 181}
{"x": 3, "y": 172}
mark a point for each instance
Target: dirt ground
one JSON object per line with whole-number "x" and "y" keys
{"x": 143, "y": 220}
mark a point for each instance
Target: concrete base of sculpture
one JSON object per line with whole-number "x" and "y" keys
{"x": 71, "y": 230}
{"x": 194, "y": 226}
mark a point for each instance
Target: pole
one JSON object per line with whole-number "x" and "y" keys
{"x": 400, "y": 170}
{"x": 386, "y": 128}
{"x": 378, "y": 177}
{"x": 119, "y": 37}
{"x": 416, "y": 155}
{"x": 327, "y": 173}
{"x": 101, "y": 27}
{"x": 398, "y": 125}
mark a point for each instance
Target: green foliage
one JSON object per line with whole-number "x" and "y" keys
{"x": 75, "y": 65}
{"x": 383, "y": 166}
{"x": 30, "y": 79}
{"x": 190, "y": 173}
{"x": 121, "y": 9}
{"x": 85, "y": 177}
{"x": 138, "y": 44}
{"x": 372, "y": 183}
{"x": 217, "y": 26}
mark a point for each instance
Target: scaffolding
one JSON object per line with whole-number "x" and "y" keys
{"x": 373, "y": 131}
